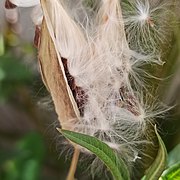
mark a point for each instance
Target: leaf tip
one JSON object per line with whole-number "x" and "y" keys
{"x": 59, "y": 129}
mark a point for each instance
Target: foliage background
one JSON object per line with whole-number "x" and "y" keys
{"x": 29, "y": 148}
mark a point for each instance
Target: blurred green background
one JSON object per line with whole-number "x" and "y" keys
{"x": 29, "y": 147}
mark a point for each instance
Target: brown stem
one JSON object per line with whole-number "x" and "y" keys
{"x": 73, "y": 166}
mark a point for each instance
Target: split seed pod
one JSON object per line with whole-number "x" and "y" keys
{"x": 54, "y": 78}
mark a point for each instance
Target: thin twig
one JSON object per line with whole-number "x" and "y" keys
{"x": 73, "y": 166}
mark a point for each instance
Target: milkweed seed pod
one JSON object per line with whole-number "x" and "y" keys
{"x": 91, "y": 57}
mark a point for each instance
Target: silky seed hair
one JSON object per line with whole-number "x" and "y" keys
{"x": 104, "y": 46}
{"x": 101, "y": 67}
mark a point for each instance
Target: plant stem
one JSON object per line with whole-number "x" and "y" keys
{"x": 73, "y": 166}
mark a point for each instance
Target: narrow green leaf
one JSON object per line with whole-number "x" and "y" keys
{"x": 174, "y": 156}
{"x": 173, "y": 173}
{"x": 102, "y": 151}
{"x": 159, "y": 164}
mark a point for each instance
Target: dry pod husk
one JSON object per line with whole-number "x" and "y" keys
{"x": 92, "y": 62}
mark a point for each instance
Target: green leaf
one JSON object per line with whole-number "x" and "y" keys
{"x": 102, "y": 151}
{"x": 173, "y": 173}
{"x": 159, "y": 164}
{"x": 174, "y": 155}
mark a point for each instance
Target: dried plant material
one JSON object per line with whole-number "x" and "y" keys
{"x": 54, "y": 79}
{"x": 92, "y": 62}
{"x": 99, "y": 71}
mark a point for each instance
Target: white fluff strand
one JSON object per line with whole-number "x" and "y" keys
{"x": 99, "y": 61}
{"x": 104, "y": 49}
